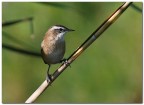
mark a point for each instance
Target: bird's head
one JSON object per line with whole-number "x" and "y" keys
{"x": 58, "y": 31}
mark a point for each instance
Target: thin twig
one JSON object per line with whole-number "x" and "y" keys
{"x": 16, "y": 21}
{"x": 136, "y": 8}
{"x": 21, "y": 50}
{"x": 76, "y": 53}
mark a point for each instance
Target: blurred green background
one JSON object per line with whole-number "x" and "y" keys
{"x": 109, "y": 71}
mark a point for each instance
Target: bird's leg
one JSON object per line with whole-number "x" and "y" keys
{"x": 65, "y": 61}
{"x": 49, "y": 79}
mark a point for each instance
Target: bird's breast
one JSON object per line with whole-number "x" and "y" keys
{"x": 53, "y": 51}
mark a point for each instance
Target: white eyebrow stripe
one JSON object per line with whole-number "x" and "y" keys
{"x": 56, "y": 27}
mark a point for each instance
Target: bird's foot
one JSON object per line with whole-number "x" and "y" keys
{"x": 65, "y": 61}
{"x": 49, "y": 78}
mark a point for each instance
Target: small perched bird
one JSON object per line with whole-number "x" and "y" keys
{"x": 53, "y": 46}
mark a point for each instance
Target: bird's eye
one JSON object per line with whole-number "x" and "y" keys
{"x": 61, "y": 29}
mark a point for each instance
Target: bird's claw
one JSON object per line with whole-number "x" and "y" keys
{"x": 65, "y": 61}
{"x": 49, "y": 78}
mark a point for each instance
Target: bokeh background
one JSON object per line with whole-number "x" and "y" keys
{"x": 109, "y": 71}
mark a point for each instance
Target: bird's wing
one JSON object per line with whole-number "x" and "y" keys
{"x": 42, "y": 54}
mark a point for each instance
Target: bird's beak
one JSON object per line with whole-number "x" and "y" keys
{"x": 70, "y": 30}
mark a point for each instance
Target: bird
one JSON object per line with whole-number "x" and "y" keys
{"x": 53, "y": 46}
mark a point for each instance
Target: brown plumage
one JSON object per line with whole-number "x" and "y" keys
{"x": 52, "y": 50}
